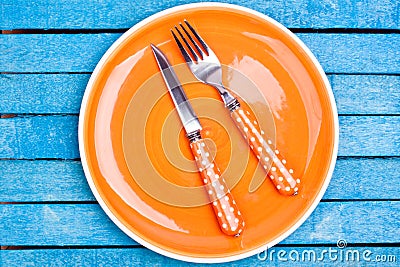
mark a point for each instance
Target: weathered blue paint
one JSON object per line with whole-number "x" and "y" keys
{"x": 109, "y": 14}
{"x": 59, "y": 180}
{"x": 277, "y": 256}
{"x": 337, "y": 53}
{"x": 55, "y": 137}
{"x": 42, "y": 79}
{"x": 88, "y": 225}
{"x": 62, "y": 93}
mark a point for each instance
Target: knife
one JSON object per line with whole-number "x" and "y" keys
{"x": 224, "y": 206}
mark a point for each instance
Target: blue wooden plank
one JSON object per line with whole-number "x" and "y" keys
{"x": 87, "y": 225}
{"x": 366, "y": 94}
{"x": 43, "y": 180}
{"x": 58, "y": 225}
{"x": 37, "y": 181}
{"x": 364, "y": 178}
{"x": 276, "y": 256}
{"x": 52, "y": 93}
{"x": 355, "y": 53}
{"x": 355, "y": 222}
{"x": 123, "y": 14}
{"x": 62, "y": 93}
{"x": 53, "y": 52}
{"x": 369, "y": 136}
{"x": 39, "y": 137}
{"x": 337, "y": 53}
{"x": 56, "y": 137}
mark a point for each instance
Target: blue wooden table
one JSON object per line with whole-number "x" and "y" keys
{"x": 48, "y": 215}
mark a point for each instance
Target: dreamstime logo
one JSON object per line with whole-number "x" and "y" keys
{"x": 331, "y": 254}
{"x": 341, "y": 243}
{"x": 167, "y": 166}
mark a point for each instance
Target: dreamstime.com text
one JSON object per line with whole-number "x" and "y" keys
{"x": 341, "y": 253}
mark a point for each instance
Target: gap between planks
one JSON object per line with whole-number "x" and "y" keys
{"x": 351, "y": 245}
{"x": 122, "y": 30}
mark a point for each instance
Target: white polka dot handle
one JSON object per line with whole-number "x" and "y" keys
{"x": 280, "y": 175}
{"x": 226, "y": 211}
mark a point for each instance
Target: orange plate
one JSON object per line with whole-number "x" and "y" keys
{"x": 130, "y": 135}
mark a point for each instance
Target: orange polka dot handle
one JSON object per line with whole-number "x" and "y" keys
{"x": 280, "y": 175}
{"x": 225, "y": 208}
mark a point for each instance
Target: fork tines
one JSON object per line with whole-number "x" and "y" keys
{"x": 194, "y": 43}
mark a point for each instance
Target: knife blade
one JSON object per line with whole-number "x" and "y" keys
{"x": 224, "y": 206}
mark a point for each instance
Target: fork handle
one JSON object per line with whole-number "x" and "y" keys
{"x": 226, "y": 211}
{"x": 279, "y": 174}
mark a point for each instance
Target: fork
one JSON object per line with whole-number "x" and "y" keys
{"x": 206, "y": 67}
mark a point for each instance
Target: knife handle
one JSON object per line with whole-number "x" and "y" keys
{"x": 226, "y": 211}
{"x": 280, "y": 175}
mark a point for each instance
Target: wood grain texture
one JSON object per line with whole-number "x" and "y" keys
{"x": 62, "y": 93}
{"x": 58, "y": 224}
{"x": 45, "y": 74}
{"x": 356, "y": 222}
{"x": 276, "y": 256}
{"x": 41, "y": 93}
{"x": 43, "y": 180}
{"x": 355, "y": 53}
{"x": 53, "y": 52}
{"x": 88, "y": 225}
{"x": 366, "y": 94}
{"x": 369, "y": 136}
{"x": 19, "y": 14}
{"x": 39, "y": 137}
{"x": 64, "y": 181}
{"x": 364, "y": 178}
{"x": 55, "y": 137}
{"x": 369, "y": 53}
